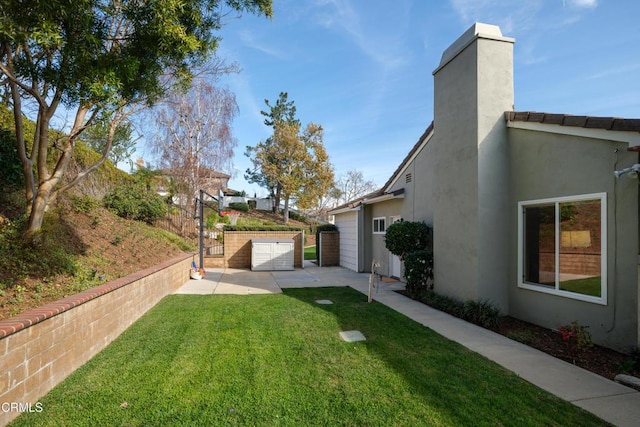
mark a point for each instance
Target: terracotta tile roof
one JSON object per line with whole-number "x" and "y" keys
{"x": 607, "y": 123}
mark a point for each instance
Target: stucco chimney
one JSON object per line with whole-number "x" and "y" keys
{"x": 473, "y": 87}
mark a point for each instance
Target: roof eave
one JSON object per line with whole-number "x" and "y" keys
{"x": 606, "y": 128}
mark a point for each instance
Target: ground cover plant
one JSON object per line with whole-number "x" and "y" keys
{"x": 83, "y": 246}
{"x": 278, "y": 360}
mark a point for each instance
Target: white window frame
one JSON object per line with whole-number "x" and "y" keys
{"x": 378, "y": 219}
{"x": 602, "y": 198}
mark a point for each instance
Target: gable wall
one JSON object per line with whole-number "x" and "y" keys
{"x": 418, "y": 204}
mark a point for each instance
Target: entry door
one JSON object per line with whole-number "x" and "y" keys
{"x": 394, "y": 260}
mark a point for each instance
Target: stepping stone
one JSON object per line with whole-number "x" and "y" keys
{"x": 352, "y": 336}
{"x": 324, "y": 301}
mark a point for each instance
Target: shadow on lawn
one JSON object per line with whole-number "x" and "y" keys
{"x": 462, "y": 387}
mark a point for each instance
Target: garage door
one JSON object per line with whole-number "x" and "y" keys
{"x": 347, "y": 224}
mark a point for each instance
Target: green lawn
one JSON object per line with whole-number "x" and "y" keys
{"x": 267, "y": 360}
{"x": 588, "y": 286}
{"x": 310, "y": 253}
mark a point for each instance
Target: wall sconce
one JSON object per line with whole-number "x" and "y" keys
{"x": 633, "y": 171}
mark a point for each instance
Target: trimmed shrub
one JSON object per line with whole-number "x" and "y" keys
{"x": 404, "y": 237}
{"x": 261, "y": 228}
{"x": 418, "y": 271}
{"x": 135, "y": 202}
{"x": 297, "y": 217}
{"x": 239, "y": 206}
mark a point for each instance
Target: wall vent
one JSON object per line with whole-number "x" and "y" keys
{"x": 408, "y": 177}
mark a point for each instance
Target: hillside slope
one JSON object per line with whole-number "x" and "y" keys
{"x": 82, "y": 250}
{"x": 78, "y": 251}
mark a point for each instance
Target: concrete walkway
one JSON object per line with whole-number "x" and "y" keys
{"x": 613, "y": 402}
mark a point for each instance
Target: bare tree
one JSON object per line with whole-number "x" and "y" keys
{"x": 195, "y": 138}
{"x": 352, "y": 185}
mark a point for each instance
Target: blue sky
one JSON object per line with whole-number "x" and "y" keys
{"x": 363, "y": 68}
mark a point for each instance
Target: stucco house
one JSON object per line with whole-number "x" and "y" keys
{"x": 526, "y": 208}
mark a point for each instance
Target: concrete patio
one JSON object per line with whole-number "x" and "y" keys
{"x": 613, "y": 402}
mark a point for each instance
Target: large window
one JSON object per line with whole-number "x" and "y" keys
{"x": 562, "y": 246}
{"x": 379, "y": 225}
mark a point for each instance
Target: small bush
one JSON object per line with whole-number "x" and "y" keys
{"x": 214, "y": 218}
{"x": 239, "y": 206}
{"x": 576, "y": 335}
{"x": 252, "y": 204}
{"x": 297, "y": 217}
{"x": 84, "y": 204}
{"x": 482, "y": 313}
{"x": 404, "y": 237}
{"x": 135, "y": 202}
{"x": 418, "y": 270}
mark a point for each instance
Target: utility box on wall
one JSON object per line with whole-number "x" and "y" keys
{"x": 272, "y": 254}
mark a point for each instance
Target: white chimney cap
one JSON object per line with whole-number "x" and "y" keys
{"x": 477, "y": 30}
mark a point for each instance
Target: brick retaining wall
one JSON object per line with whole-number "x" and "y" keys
{"x": 572, "y": 263}
{"x": 41, "y": 347}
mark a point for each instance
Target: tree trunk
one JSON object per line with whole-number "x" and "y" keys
{"x": 276, "y": 202}
{"x": 285, "y": 214}
{"x": 38, "y": 208}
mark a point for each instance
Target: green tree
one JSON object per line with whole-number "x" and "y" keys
{"x": 297, "y": 162}
{"x": 96, "y": 58}
{"x": 96, "y": 137}
{"x": 283, "y": 111}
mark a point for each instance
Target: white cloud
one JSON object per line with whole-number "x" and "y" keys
{"x": 590, "y": 4}
{"x": 249, "y": 40}
{"x": 613, "y": 71}
{"x": 383, "y": 45}
{"x": 509, "y": 16}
